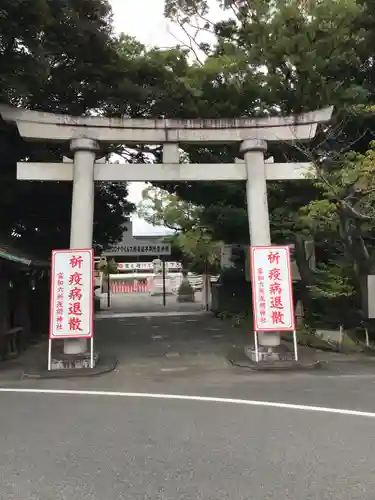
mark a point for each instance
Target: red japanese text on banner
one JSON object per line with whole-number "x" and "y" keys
{"x": 272, "y": 288}
{"x": 71, "y": 314}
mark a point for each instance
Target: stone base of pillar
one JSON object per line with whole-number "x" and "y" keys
{"x": 278, "y": 361}
{"x": 75, "y": 346}
{"x": 73, "y": 361}
{"x": 278, "y": 353}
{"x": 274, "y": 361}
{"x": 269, "y": 339}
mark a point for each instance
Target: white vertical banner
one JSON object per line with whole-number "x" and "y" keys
{"x": 72, "y": 294}
{"x": 271, "y": 280}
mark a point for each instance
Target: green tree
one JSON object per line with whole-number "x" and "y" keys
{"x": 276, "y": 58}
{"x": 282, "y": 57}
{"x": 341, "y": 219}
{"x": 160, "y": 208}
{"x": 108, "y": 267}
{"x": 200, "y": 252}
{"x": 57, "y": 56}
{"x": 198, "y": 249}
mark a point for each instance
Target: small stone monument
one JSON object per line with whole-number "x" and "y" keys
{"x": 185, "y": 292}
{"x": 157, "y": 266}
{"x": 157, "y": 282}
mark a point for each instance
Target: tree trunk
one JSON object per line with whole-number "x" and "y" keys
{"x": 307, "y": 276}
{"x": 357, "y": 255}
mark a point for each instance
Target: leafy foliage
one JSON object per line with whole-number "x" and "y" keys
{"x": 198, "y": 250}
{"x": 160, "y": 208}
{"x": 345, "y": 210}
{"x": 266, "y": 58}
{"x": 57, "y": 56}
{"x": 274, "y": 58}
{"x": 281, "y": 57}
{"x": 108, "y": 267}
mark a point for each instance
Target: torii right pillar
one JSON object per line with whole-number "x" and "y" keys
{"x": 257, "y": 209}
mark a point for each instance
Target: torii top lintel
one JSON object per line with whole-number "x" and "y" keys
{"x": 36, "y": 125}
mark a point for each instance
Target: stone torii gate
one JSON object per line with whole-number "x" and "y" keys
{"x": 86, "y": 135}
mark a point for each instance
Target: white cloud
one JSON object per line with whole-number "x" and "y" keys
{"x": 142, "y": 19}
{"x": 145, "y": 21}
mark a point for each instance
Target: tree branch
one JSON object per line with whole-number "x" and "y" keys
{"x": 192, "y": 44}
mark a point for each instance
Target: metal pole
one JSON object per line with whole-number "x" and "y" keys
{"x": 295, "y": 345}
{"x": 256, "y": 347}
{"x": 109, "y": 292}
{"x": 164, "y": 296}
{"x": 92, "y": 352}
{"x": 49, "y": 354}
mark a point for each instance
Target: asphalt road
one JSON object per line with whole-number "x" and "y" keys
{"x": 111, "y": 447}
{"x": 95, "y": 447}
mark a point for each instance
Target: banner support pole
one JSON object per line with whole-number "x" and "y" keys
{"x": 49, "y": 354}
{"x": 256, "y": 347}
{"x": 295, "y": 345}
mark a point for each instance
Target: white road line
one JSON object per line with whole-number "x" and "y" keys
{"x": 180, "y": 397}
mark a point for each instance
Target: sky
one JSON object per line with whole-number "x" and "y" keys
{"x": 151, "y": 30}
{"x": 144, "y": 20}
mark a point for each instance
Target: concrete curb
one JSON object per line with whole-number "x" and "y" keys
{"x": 105, "y": 365}
{"x": 238, "y": 358}
{"x": 279, "y": 366}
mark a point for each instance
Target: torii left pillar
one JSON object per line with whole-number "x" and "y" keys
{"x": 82, "y": 219}
{"x": 257, "y": 210}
